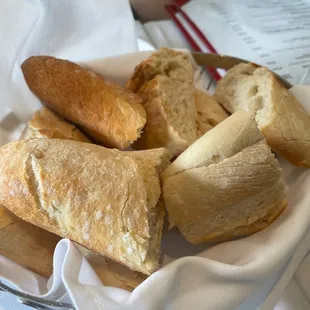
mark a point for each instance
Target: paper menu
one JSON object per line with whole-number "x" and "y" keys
{"x": 272, "y": 33}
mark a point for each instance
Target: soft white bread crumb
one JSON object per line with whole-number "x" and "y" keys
{"x": 165, "y": 82}
{"x": 227, "y": 184}
{"x": 279, "y": 115}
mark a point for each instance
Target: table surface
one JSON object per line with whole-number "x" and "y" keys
{"x": 9, "y": 302}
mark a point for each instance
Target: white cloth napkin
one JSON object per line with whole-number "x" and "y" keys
{"x": 235, "y": 275}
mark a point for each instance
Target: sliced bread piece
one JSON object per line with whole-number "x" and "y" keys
{"x": 168, "y": 62}
{"x": 46, "y": 124}
{"x": 171, "y": 118}
{"x": 227, "y": 184}
{"x": 108, "y": 201}
{"x": 279, "y": 115}
{"x": 108, "y": 113}
{"x": 209, "y": 112}
{"x": 165, "y": 82}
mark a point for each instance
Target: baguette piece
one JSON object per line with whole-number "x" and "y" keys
{"x": 33, "y": 247}
{"x": 165, "y": 81}
{"x": 112, "y": 273}
{"x": 108, "y": 201}
{"x": 227, "y": 184}
{"x": 167, "y": 62}
{"x": 279, "y": 115}
{"x": 171, "y": 118}
{"x": 110, "y": 114}
{"x": 209, "y": 112}
{"x": 46, "y": 124}
{"x": 26, "y": 244}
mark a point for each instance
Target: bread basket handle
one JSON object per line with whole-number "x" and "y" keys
{"x": 35, "y": 302}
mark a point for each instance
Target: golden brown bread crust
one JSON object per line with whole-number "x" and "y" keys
{"x": 108, "y": 113}
{"x": 280, "y": 117}
{"x": 159, "y": 63}
{"x": 112, "y": 273}
{"x": 26, "y": 244}
{"x": 288, "y": 130}
{"x": 246, "y": 230}
{"x": 95, "y": 196}
{"x": 33, "y": 247}
{"x": 159, "y": 131}
{"x": 46, "y": 124}
{"x": 209, "y": 112}
{"x": 165, "y": 82}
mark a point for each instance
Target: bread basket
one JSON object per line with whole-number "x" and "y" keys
{"x": 202, "y": 59}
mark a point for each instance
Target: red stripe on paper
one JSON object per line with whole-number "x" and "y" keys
{"x": 172, "y": 10}
{"x": 197, "y": 31}
{"x": 180, "y": 2}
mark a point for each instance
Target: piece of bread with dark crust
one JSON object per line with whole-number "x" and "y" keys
{"x": 107, "y": 200}
{"x": 47, "y": 124}
{"x": 108, "y": 113}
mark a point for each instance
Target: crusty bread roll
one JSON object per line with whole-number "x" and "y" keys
{"x": 165, "y": 81}
{"x": 209, "y": 111}
{"x": 280, "y": 117}
{"x": 26, "y": 244}
{"x": 110, "y": 114}
{"x": 33, "y": 247}
{"x": 108, "y": 201}
{"x": 112, "y": 273}
{"x": 46, "y": 124}
{"x": 166, "y": 62}
{"x": 226, "y": 184}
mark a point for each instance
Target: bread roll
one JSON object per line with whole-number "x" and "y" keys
{"x": 166, "y": 62}
{"x": 280, "y": 117}
{"x": 46, "y": 124}
{"x": 33, "y": 247}
{"x": 209, "y": 111}
{"x": 165, "y": 81}
{"x": 227, "y": 184}
{"x": 26, "y": 244}
{"x": 110, "y": 114}
{"x": 112, "y": 273}
{"x": 108, "y": 201}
